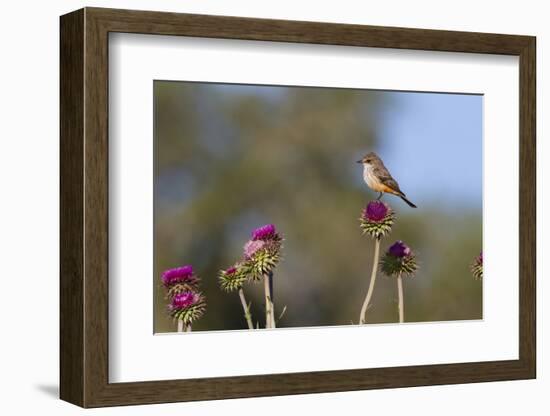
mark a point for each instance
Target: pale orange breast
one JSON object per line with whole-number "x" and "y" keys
{"x": 374, "y": 183}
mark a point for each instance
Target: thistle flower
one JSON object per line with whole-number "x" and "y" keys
{"x": 234, "y": 277}
{"x": 266, "y": 232}
{"x": 179, "y": 275}
{"x": 399, "y": 249}
{"x": 263, "y": 252}
{"x": 399, "y": 260}
{"x": 477, "y": 267}
{"x": 377, "y": 219}
{"x": 187, "y": 306}
{"x": 183, "y": 300}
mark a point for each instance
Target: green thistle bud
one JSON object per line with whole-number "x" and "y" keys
{"x": 263, "y": 261}
{"x": 234, "y": 277}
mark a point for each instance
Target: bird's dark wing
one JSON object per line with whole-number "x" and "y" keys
{"x": 385, "y": 177}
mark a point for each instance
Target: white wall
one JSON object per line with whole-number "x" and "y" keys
{"x": 29, "y": 207}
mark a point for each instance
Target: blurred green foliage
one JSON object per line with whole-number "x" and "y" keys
{"x": 230, "y": 158}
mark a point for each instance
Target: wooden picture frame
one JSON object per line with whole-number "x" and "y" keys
{"x": 84, "y": 207}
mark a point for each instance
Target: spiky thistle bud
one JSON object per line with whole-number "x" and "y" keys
{"x": 399, "y": 260}
{"x": 262, "y": 252}
{"x": 234, "y": 277}
{"x": 179, "y": 279}
{"x": 187, "y": 306}
{"x": 477, "y": 267}
{"x": 377, "y": 219}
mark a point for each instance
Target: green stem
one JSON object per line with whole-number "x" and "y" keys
{"x": 188, "y": 328}
{"x": 247, "y": 314}
{"x": 362, "y": 317}
{"x": 180, "y": 325}
{"x": 400, "y": 294}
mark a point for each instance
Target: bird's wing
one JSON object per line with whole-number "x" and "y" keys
{"x": 386, "y": 178}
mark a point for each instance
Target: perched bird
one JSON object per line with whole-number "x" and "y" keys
{"x": 379, "y": 179}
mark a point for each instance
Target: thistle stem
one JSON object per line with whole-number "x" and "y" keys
{"x": 247, "y": 314}
{"x": 362, "y": 317}
{"x": 272, "y": 299}
{"x": 180, "y": 325}
{"x": 400, "y": 294}
{"x": 268, "y": 304}
{"x": 188, "y": 328}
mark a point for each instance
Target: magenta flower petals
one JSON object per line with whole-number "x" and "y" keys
{"x": 399, "y": 260}
{"x": 376, "y": 211}
{"x": 399, "y": 249}
{"x": 251, "y": 247}
{"x": 178, "y": 275}
{"x": 231, "y": 270}
{"x": 267, "y": 232}
{"x": 187, "y": 306}
{"x": 184, "y": 300}
{"x": 184, "y": 271}
{"x": 377, "y": 219}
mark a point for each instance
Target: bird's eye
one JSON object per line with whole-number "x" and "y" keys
{"x": 367, "y": 160}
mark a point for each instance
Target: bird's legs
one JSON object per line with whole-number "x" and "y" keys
{"x": 379, "y": 196}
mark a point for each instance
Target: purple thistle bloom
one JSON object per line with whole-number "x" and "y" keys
{"x": 267, "y": 232}
{"x": 179, "y": 274}
{"x": 375, "y": 211}
{"x": 231, "y": 270}
{"x": 184, "y": 300}
{"x": 251, "y": 247}
{"x": 480, "y": 258}
{"x": 399, "y": 249}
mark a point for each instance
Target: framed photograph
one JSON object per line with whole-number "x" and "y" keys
{"x": 254, "y": 207}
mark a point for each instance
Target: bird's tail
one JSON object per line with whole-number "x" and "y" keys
{"x": 409, "y": 203}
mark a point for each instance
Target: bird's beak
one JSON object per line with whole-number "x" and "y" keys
{"x": 359, "y": 161}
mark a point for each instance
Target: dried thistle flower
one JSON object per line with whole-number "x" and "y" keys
{"x": 399, "y": 260}
{"x": 477, "y": 267}
{"x": 377, "y": 219}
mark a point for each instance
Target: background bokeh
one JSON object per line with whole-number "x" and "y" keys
{"x": 229, "y": 158}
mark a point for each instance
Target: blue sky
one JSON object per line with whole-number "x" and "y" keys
{"x": 432, "y": 143}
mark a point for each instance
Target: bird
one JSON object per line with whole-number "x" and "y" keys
{"x": 379, "y": 179}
